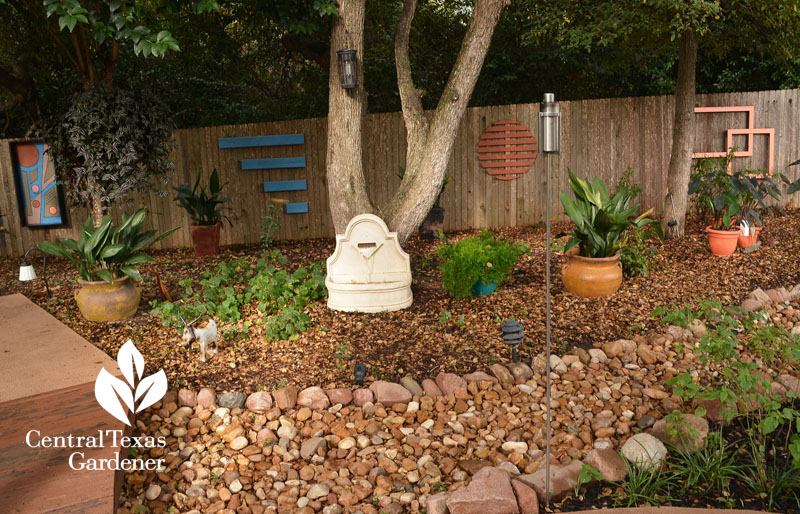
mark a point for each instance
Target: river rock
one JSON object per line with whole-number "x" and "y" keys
{"x": 313, "y": 398}
{"x": 489, "y": 491}
{"x": 608, "y": 462}
{"x": 412, "y": 385}
{"x": 259, "y": 402}
{"x": 690, "y": 435}
{"x": 232, "y": 400}
{"x": 644, "y": 450}
{"x": 389, "y": 393}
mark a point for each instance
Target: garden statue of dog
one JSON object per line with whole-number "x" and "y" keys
{"x": 204, "y": 336}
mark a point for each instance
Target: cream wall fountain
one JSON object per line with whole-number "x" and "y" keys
{"x": 368, "y": 271}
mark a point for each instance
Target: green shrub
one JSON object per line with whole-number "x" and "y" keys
{"x": 637, "y": 254}
{"x": 205, "y": 208}
{"x": 481, "y": 258}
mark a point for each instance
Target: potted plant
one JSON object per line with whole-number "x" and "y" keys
{"x": 714, "y": 191}
{"x": 477, "y": 265}
{"x": 592, "y": 266}
{"x": 205, "y": 210}
{"x": 754, "y": 187}
{"x": 106, "y": 258}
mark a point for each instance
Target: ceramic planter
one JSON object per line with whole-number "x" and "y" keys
{"x": 432, "y": 224}
{"x": 723, "y": 242}
{"x": 205, "y": 239}
{"x": 482, "y": 288}
{"x": 103, "y": 301}
{"x": 591, "y": 277}
{"x": 745, "y": 241}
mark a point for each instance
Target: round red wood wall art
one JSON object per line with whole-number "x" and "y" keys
{"x": 507, "y": 149}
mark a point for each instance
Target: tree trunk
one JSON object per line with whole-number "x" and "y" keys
{"x": 425, "y": 171}
{"x": 680, "y": 161}
{"x": 347, "y": 190}
{"x": 98, "y": 209}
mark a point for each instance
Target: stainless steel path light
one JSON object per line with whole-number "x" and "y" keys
{"x": 549, "y": 143}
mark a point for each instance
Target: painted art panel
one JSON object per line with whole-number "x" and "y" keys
{"x": 40, "y": 202}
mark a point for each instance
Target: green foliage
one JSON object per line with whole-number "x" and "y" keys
{"x": 714, "y": 192}
{"x": 205, "y": 208}
{"x": 600, "y": 220}
{"x": 110, "y": 143}
{"x": 117, "y": 20}
{"x": 270, "y": 224}
{"x": 653, "y": 485}
{"x": 342, "y": 354}
{"x": 638, "y": 257}
{"x": 233, "y": 286}
{"x": 477, "y": 258}
{"x": 709, "y": 467}
{"x": 741, "y": 383}
{"x": 587, "y": 475}
{"x": 108, "y": 252}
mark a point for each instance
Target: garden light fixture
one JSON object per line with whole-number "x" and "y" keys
{"x": 549, "y": 143}
{"x": 27, "y": 273}
{"x": 359, "y": 373}
{"x": 513, "y": 336}
{"x": 348, "y": 71}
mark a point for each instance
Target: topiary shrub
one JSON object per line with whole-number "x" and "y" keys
{"x": 108, "y": 144}
{"x": 481, "y": 258}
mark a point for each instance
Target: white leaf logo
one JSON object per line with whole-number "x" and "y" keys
{"x": 109, "y": 390}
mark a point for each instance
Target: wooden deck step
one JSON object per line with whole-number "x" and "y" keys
{"x": 47, "y": 375}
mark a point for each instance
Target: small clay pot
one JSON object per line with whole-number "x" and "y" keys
{"x": 745, "y": 241}
{"x": 205, "y": 239}
{"x": 591, "y": 277}
{"x": 103, "y": 301}
{"x": 723, "y": 242}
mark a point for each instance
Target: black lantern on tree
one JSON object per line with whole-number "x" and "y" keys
{"x": 348, "y": 66}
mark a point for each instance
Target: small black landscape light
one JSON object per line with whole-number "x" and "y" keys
{"x": 27, "y": 273}
{"x": 359, "y": 372}
{"x": 348, "y": 69}
{"x": 512, "y": 336}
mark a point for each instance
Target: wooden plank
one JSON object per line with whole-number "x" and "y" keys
{"x": 297, "y": 208}
{"x": 285, "y": 185}
{"x": 252, "y": 141}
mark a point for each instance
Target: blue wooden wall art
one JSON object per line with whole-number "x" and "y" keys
{"x": 275, "y": 186}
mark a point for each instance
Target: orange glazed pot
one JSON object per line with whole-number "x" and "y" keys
{"x": 723, "y": 242}
{"x": 205, "y": 239}
{"x": 591, "y": 277}
{"x": 745, "y": 241}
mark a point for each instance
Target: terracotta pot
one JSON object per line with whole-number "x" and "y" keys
{"x": 745, "y": 241}
{"x": 101, "y": 301}
{"x": 723, "y": 242}
{"x": 591, "y": 277}
{"x": 205, "y": 239}
{"x": 432, "y": 224}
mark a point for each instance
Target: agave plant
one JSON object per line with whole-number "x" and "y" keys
{"x": 600, "y": 220}
{"x": 205, "y": 208}
{"x": 108, "y": 252}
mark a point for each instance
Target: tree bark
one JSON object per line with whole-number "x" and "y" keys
{"x": 680, "y": 161}
{"x": 98, "y": 209}
{"x": 425, "y": 171}
{"x": 347, "y": 190}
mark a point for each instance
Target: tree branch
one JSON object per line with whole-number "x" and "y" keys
{"x": 413, "y": 114}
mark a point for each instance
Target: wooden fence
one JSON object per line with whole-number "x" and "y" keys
{"x": 599, "y": 138}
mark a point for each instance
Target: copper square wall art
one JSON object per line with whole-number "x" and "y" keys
{"x": 507, "y": 149}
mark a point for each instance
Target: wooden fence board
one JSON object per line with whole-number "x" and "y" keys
{"x": 599, "y": 138}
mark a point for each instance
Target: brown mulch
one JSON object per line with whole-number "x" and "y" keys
{"x": 437, "y": 333}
